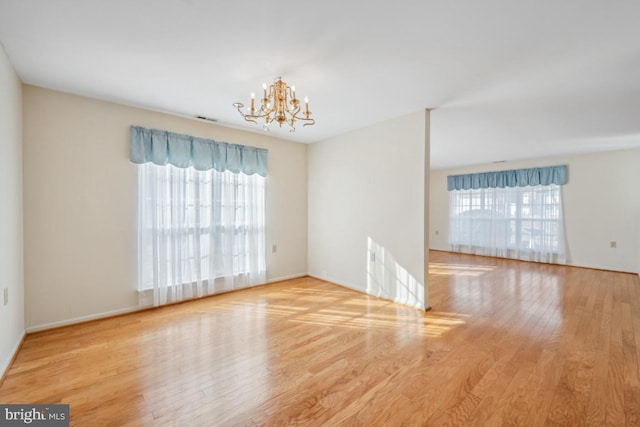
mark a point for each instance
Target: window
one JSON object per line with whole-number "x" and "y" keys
{"x": 512, "y": 222}
{"x": 200, "y": 232}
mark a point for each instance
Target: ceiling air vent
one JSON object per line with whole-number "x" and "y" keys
{"x": 209, "y": 119}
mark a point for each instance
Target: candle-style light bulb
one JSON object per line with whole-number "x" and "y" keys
{"x": 293, "y": 91}
{"x": 306, "y": 105}
{"x": 264, "y": 90}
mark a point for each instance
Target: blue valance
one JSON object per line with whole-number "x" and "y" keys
{"x": 183, "y": 151}
{"x": 511, "y": 178}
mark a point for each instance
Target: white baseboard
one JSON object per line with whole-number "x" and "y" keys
{"x": 75, "y": 320}
{"x": 127, "y": 310}
{"x": 289, "y": 277}
{"x": 80, "y": 319}
{"x": 338, "y": 282}
{"x": 358, "y": 289}
{"x": 4, "y": 368}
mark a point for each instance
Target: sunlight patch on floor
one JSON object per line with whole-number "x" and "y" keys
{"x": 460, "y": 269}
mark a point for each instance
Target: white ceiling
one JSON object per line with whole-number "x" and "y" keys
{"x": 507, "y": 79}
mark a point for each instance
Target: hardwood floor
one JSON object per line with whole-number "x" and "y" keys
{"x": 507, "y": 343}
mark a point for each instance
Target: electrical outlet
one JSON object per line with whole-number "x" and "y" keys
{"x": 372, "y": 256}
{"x": 437, "y": 232}
{"x": 6, "y": 296}
{"x": 614, "y": 244}
{"x": 274, "y": 248}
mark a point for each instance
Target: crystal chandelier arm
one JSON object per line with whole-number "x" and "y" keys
{"x": 248, "y": 117}
{"x": 294, "y": 112}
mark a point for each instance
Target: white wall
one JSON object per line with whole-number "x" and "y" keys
{"x": 367, "y": 195}
{"x": 11, "y": 257}
{"x": 601, "y": 204}
{"x": 80, "y": 203}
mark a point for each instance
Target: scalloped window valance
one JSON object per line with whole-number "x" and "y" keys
{"x": 184, "y": 151}
{"x": 509, "y": 178}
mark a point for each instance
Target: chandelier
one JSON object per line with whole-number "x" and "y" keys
{"x": 278, "y": 104}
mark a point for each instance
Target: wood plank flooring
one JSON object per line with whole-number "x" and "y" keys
{"x": 507, "y": 343}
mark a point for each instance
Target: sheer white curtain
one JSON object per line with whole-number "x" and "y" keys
{"x": 200, "y": 232}
{"x": 515, "y": 222}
